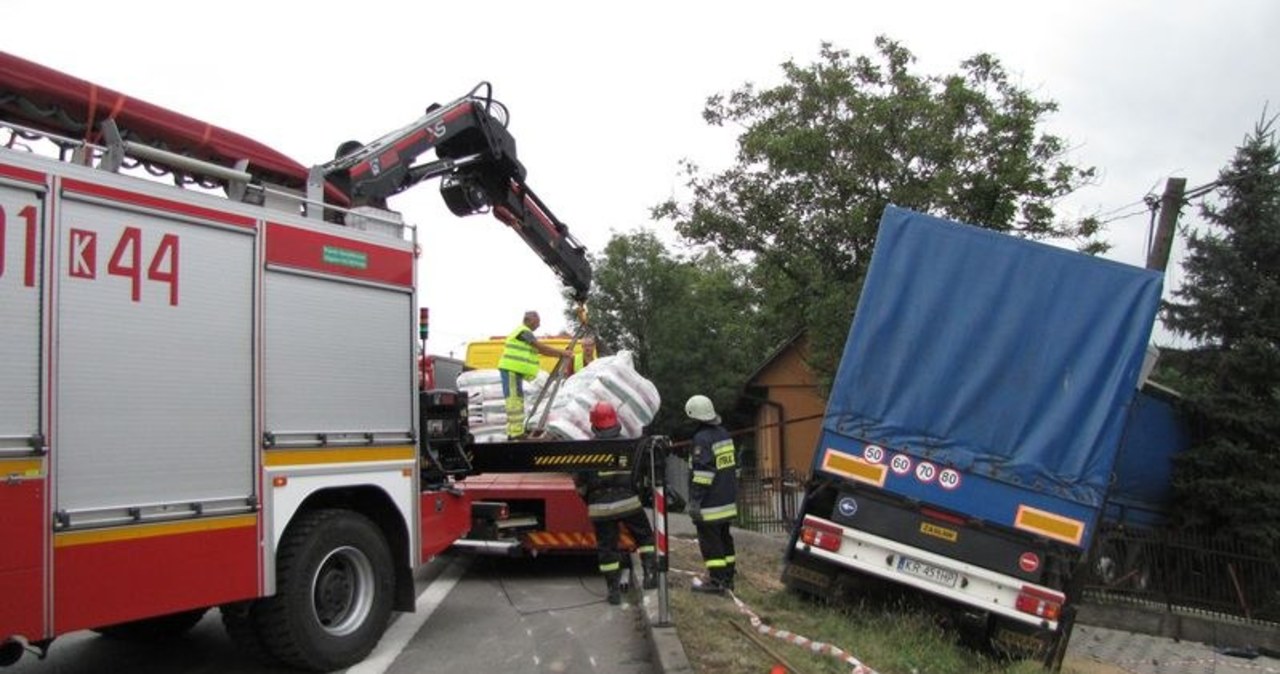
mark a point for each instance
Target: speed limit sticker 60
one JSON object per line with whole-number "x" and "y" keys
{"x": 900, "y": 464}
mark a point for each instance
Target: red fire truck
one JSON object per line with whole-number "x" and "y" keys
{"x": 171, "y": 438}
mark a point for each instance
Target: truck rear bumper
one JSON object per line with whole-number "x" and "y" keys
{"x": 931, "y": 573}
{"x": 508, "y": 548}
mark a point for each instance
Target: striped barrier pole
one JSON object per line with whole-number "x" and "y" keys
{"x": 660, "y": 540}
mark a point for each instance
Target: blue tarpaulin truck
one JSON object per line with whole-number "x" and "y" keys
{"x": 973, "y": 427}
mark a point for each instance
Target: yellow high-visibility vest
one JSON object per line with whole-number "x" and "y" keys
{"x": 519, "y": 356}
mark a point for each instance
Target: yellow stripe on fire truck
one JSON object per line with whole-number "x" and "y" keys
{"x": 320, "y": 455}
{"x": 21, "y": 469}
{"x": 136, "y": 531}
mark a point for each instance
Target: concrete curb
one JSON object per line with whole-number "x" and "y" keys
{"x": 1181, "y": 627}
{"x": 668, "y": 651}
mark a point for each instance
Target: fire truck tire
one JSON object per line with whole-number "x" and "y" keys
{"x": 334, "y": 587}
{"x": 158, "y": 628}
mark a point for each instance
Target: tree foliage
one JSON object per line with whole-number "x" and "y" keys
{"x": 690, "y": 323}
{"x": 822, "y": 153}
{"x": 1230, "y": 305}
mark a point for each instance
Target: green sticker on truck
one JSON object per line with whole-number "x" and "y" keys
{"x": 345, "y": 258}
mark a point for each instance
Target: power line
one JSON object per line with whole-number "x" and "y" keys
{"x": 1197, "y": 192}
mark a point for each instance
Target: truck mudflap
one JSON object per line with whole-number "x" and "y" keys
{"x": 836, "y": 547}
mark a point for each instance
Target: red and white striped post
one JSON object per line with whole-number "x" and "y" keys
{"x": 660, "y": 540}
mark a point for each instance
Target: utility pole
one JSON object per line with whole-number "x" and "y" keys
{"x": 1170, "y": 205}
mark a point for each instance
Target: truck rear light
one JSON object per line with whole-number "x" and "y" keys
{"x": 504, "y": 512}
{"x": 1039, "y": 603}
{"x": 820, "y": 535}
{"x": 943, "y": 516}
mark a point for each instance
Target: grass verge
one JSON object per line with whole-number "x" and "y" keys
{"x": 889, "y": 637}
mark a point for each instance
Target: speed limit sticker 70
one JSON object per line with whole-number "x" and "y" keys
{"x": 925, "y": 472}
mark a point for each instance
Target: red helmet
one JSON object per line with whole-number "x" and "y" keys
{"x": 604, "y": 418}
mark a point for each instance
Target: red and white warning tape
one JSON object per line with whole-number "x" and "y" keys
{"x": 818, "y": 647}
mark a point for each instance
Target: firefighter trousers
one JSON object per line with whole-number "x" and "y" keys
{"x": 715, "y": 541}
{"x": 609, "y": 533}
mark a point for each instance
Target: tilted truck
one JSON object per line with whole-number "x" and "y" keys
{"x": 972, "y": 427}
{"x": 209, "y": 397}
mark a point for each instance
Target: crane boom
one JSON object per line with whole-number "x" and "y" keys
{"x": 478, "y": 170}
{"x": 475, "y": 155}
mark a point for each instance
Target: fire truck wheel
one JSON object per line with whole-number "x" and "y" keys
{"x": 154, "y": 629}
{"x": 334, "y": 586}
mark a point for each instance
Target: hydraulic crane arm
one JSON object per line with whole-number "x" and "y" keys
{"x": 478, "y": 170}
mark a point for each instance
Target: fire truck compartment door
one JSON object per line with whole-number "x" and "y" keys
{"x": 339, "y": 356}
{"x": 21, "y": 215}
{"x": 154, "y": 358}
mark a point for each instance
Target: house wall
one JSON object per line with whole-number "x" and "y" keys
{"x": 790, "y": 386}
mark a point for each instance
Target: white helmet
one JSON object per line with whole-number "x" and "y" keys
{"x": 699, "y": 407}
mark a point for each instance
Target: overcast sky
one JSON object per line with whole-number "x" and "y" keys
{"x": 606, "y": 98}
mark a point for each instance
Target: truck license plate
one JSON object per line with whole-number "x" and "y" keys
{"x": 929, "y": 572}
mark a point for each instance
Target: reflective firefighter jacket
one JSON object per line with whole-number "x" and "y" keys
{"x": 713, "y": 463}
{"x": 610, "y": 494}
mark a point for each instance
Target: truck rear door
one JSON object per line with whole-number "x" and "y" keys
{"x": 153, "y": 405}
{"x": 23, "y": 469}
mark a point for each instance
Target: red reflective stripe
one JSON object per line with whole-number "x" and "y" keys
{"x": 306, "y": 249}
{"x": 102, "y": 191}
{"x": 25, "y": 175}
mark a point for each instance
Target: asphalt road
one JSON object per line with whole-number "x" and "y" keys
{"x": 475, "y": 614}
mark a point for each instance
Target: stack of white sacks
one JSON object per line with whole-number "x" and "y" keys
{"x": 611, "y": 379}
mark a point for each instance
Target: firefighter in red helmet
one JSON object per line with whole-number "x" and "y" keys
{"x": 612, "y": 501}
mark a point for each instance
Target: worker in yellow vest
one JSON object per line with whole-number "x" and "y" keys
{"x": 584, "y": 357}
{"x": 520, "y": 362}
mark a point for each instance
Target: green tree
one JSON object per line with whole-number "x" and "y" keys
{"x": 821, "y": 154}
{"x": 1230, "y": 306}
{"x": 689, "y": 322}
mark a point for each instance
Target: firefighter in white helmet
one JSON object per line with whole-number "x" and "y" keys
{"x": 713, "y": 494}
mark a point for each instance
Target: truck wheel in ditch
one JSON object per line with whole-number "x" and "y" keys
{"x": 334, "y": 584}
{"x": 154, "y": 629}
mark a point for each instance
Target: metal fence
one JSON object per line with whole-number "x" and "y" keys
{"x": 1192, "y": 573}
{"x": 769, "y": 502}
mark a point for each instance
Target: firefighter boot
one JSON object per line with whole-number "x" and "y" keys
{"x": 613, "y": 582}
{"x": 729, "y": 573}
{"x": 712, "y": 585}
{"x": 649, "y": 564}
